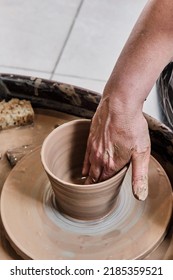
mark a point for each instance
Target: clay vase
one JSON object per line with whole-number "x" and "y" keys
{"x": 62, "y": 156}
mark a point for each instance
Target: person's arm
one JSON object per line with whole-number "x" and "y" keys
{"x": 119, "y": 131}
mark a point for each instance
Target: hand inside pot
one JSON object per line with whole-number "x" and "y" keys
{"x": 117, "y": 137}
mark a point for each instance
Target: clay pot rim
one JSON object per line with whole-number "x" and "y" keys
{"x": 87, "y": 186}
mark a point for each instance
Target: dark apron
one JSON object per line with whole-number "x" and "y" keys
{"x": 165, "y": 92}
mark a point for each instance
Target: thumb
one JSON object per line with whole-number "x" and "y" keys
{"x": 140, "y": 164}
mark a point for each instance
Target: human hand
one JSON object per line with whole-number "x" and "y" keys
{"x": 117, "y": 137}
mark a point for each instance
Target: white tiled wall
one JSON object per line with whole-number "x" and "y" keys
{"x": 72, "y": 41}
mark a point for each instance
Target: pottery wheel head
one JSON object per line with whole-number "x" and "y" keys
{"x": 37, "y": 230}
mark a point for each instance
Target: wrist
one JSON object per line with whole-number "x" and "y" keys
{"x": 123, "y": 102}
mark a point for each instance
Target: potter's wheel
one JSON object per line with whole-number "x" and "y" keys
{"x": 37, "y": 230}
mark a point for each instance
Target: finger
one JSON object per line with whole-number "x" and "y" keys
{"x": 111, "y": 166}
{"x": 107, "y": 172}
{"x": 94, "y": 174}
{"x": 140, "y": 163}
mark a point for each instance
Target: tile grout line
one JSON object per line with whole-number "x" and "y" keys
{"x": 80, "y": 77}
{"x": 47, "y": 72}
{"x": 67, "y": 37}
{"x": 25, "y": 69}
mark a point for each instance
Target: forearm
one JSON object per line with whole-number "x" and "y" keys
{"x": 147, "y": 51}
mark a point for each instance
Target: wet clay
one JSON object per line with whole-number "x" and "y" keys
{"x": 39, "y": 231}
{"x": 12, "y": 139}
{"x": 45, "y": 121}
{"x": 45, "y": 93}
{"x": 62, "y": 155}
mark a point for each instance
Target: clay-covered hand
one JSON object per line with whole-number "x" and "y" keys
{"x": 117, "y": 137}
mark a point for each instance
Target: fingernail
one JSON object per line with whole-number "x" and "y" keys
{"x": 140, "y": 188}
